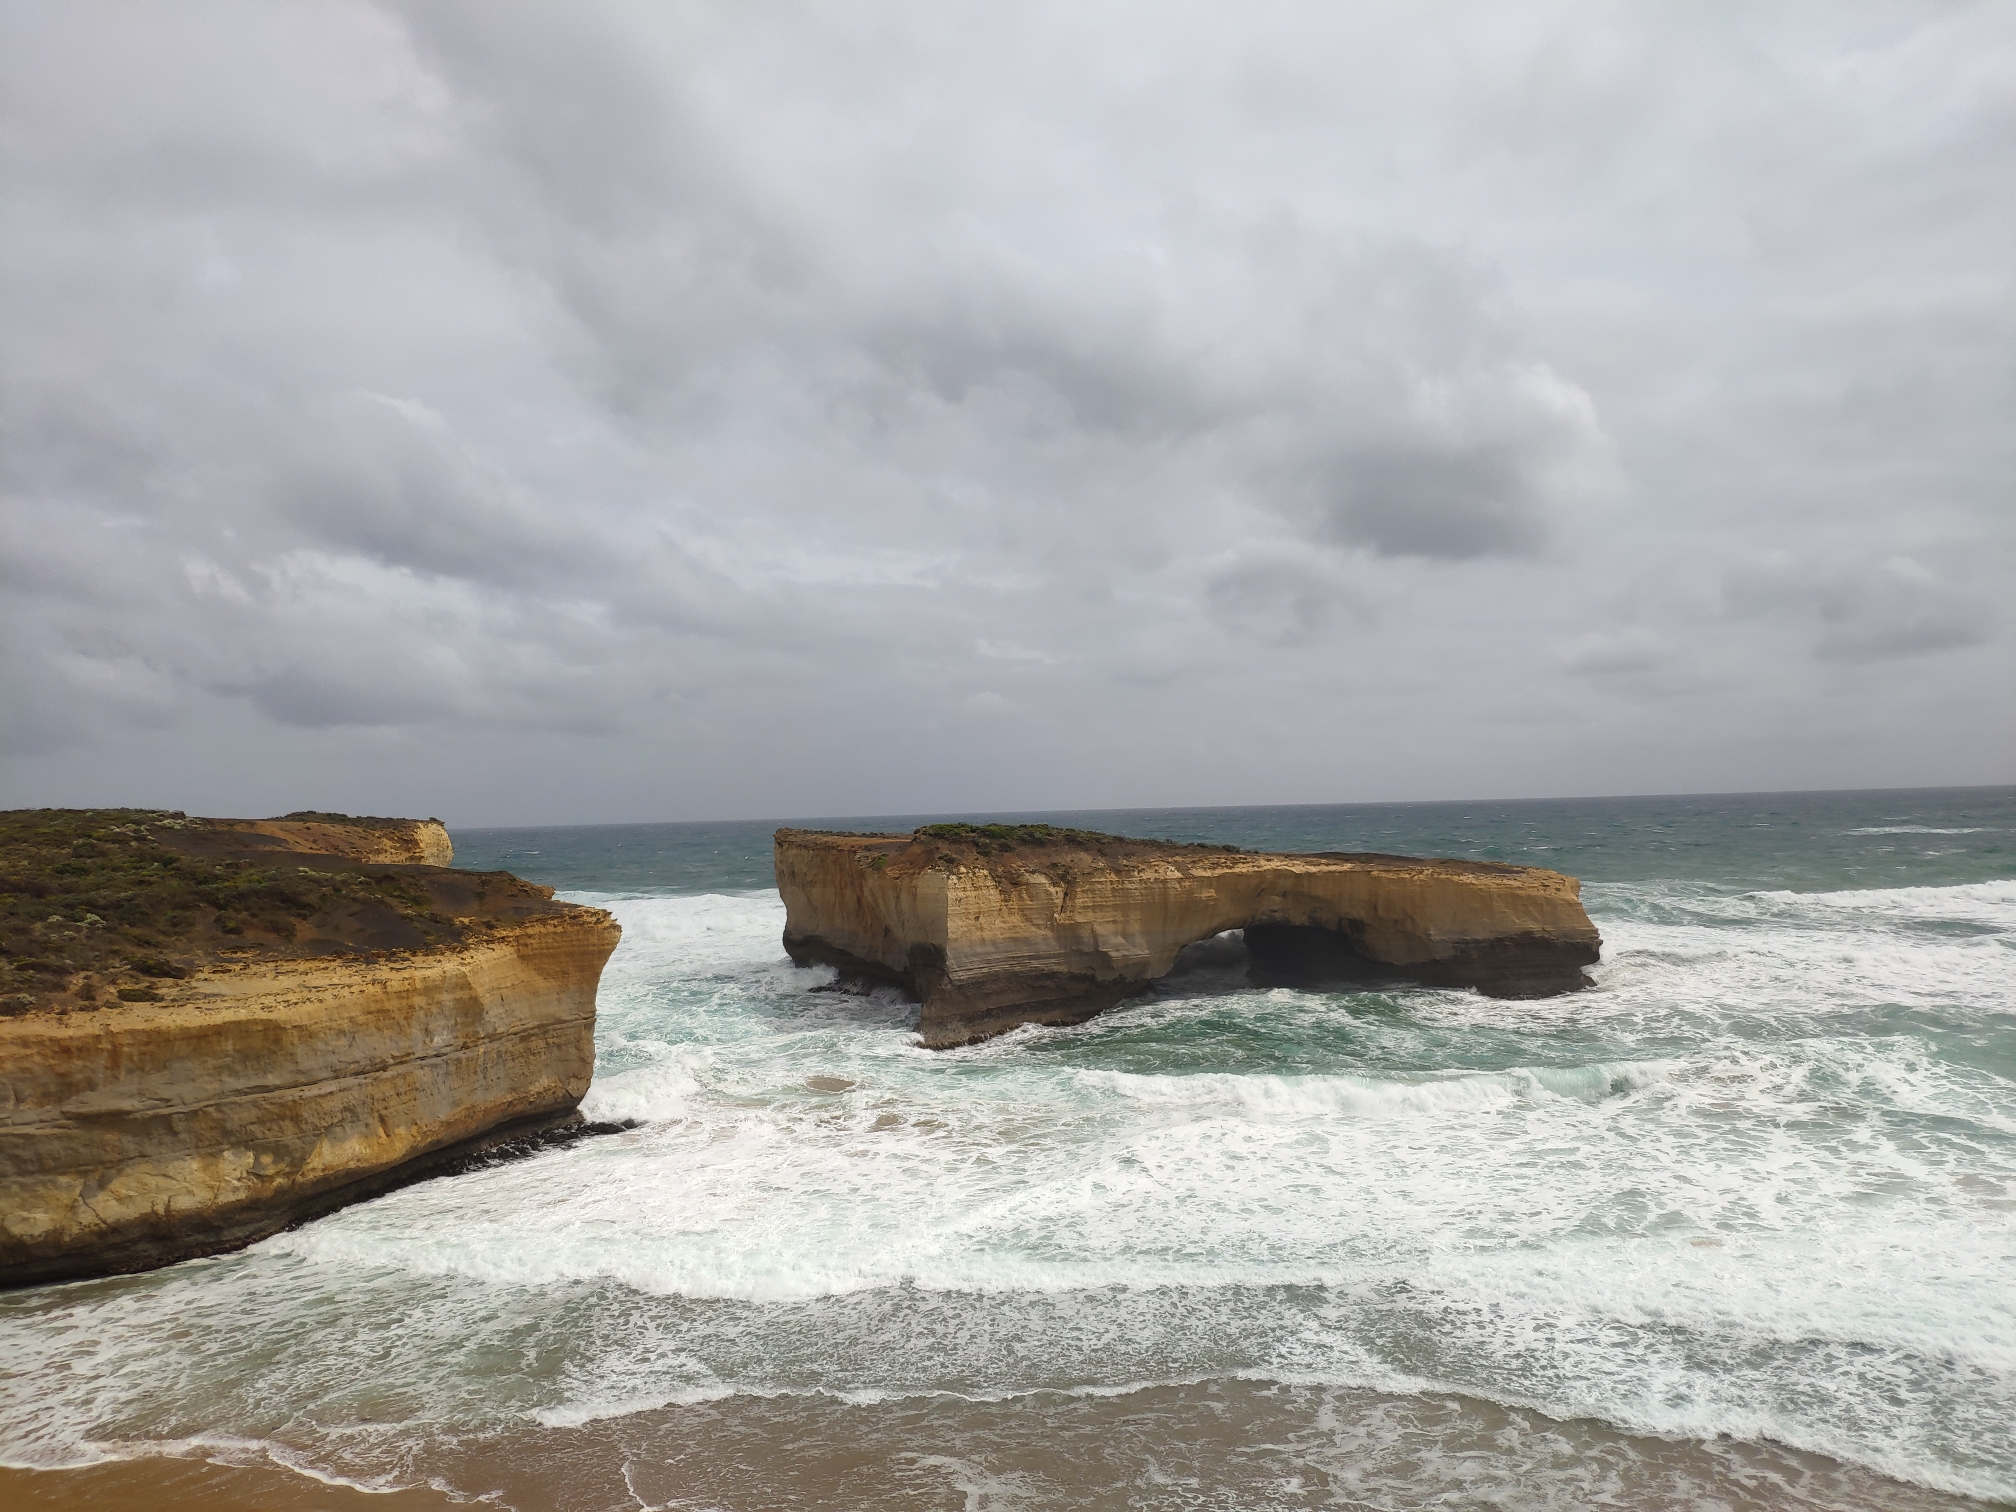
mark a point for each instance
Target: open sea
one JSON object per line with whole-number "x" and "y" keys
{"x": 1736, "y": 1229}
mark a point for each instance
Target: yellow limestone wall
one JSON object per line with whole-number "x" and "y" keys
{"x": 139, "y": 1132}
{"x": 1039, "y": 934}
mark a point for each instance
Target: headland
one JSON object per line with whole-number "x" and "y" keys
{"x": 213, "y": 1028}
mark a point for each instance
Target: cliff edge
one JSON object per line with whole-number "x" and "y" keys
{"x": 210, "y": 1029}
{"x": 402, "y": 842}
{"x": 998, "y": 925}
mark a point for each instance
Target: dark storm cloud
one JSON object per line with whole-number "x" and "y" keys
{"x": 1284, "y": 598}
{"x": 783, "y": 407}
{"x": 1449, "y": 501}
{"x": 1862, "y": 611}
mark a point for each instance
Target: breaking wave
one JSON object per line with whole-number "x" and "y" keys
{"x": 1760, "y": 1183}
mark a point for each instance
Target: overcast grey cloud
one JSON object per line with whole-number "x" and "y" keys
{"x": 528, "y": 412}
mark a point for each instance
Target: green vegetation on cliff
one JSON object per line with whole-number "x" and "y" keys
{"x": 991, "y": 839}
{"x": 112, "y": 902}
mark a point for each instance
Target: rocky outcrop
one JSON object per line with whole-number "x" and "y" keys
{"x": 991, "y": 927}
{"x": 375, "y": 842}
{"x": 251, "y": 1085}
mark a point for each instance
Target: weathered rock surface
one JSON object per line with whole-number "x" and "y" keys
{"x": 375, "y": 842}
{"x": 263, "y": 1085}
{"x": 989, "y": 935}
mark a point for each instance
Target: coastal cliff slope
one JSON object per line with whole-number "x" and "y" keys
{"x": 231, "y": 1025}
{"x": 402, "y": 842}
{"x": 994, "y": 926}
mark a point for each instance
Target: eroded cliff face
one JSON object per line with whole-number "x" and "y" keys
{"x": 374, "y": 842}
{"x": 1053, "y": 931}
{"x": 142, "y": 1133}
{"x": 259, "y": 1079}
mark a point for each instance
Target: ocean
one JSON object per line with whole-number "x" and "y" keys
{"x": 1736, "y": 1229}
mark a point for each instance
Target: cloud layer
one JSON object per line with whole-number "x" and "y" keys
{"x": 616, "y": 411}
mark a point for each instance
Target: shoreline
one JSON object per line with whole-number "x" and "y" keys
{"x": 1229, "y": 1443}
{"x": 174, "y": 1483}
{"x": 807, "y": 1208}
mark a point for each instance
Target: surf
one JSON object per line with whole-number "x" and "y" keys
{"x": 1759, "y": 1182}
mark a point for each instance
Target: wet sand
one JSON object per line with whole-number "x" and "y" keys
{"x": 1222, "y": 1445}
{"x": 173, "y": 1485}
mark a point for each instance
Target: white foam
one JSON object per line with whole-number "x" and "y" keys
{"x": 1745, "y": 1187}
{"x": 1689, "y": 960}
{"x": 664, "y": 1088}
{"x": 1917, "y": 829}
{"x": 1363, "y": 1097}
{"x": 1986, "y": 902}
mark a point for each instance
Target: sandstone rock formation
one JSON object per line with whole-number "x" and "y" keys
{"x": 409, "y": 842}
{"x": 994, "y": 926}
{"x": 409, "y": 1015}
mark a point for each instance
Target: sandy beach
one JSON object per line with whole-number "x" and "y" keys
{"x": 1222, "y": 1445}
{"x": 1732, "y": 1232}
{"x": 175, "y": 1485}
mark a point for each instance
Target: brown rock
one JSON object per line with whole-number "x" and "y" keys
{"x": 1029, "y": 925}
{"x": 372, "y": 842}
{"x": 242, "y": 1089}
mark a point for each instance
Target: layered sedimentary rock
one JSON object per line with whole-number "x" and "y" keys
{"x": 1030, "y": 925}
{"x": 376, "y": 842}
{"x": 415, "y": 1015}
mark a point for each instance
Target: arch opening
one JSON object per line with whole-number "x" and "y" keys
{"x": 1275, "y": 955}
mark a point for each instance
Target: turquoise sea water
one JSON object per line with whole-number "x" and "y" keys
{"x": 1810, "y": 841}
{"x": 1737, "y": 1228}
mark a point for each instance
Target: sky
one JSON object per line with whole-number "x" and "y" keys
{"x": 527, "y": 413}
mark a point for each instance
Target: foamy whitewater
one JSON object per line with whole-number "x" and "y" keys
{"x": 1758, "y": 1189}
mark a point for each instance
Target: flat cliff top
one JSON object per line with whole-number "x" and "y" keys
{"x": 1008, "y": 850}
{"x": 102, "y": 906}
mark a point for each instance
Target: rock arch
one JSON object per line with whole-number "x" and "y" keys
{"x": 1053, "y": 927}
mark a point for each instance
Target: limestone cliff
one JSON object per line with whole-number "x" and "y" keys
{"x": 349, "y": 1021}
{"x": 377, "y": 842}
{"x": 1033, "y": 925}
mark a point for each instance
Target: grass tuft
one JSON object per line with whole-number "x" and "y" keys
{"x": 993, "y": 839}
{"x": 102, "y": 891}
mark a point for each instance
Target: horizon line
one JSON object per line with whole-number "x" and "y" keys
{"x": 1200, "y": 808}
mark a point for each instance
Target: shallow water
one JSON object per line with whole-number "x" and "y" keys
{"x": 1738, "y": 1227}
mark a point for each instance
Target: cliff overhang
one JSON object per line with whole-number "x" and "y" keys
{"x": 989, "y": 927}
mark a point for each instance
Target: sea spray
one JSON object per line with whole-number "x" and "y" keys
{"x": 1760, "y": 1182}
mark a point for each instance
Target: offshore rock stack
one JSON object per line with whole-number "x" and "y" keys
{"x": 991, "y": 926}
